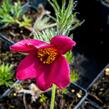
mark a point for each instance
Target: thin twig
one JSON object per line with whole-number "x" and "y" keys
{"x": 6, "y": 39}
{"x": 49, "y": 26}
{"x": 76, "y": 25}
{"x": 24, "y": 102}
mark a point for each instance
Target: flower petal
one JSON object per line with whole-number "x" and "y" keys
{"x": 57, "y": 73}
{"x": 43, "y": 81}
{"x": 27, "y": 45}
{"x": 60, "y": 72}
{"x": 63, "y": 43}
{"x": 27, "y": 69}
{"x": 30, "y": 67}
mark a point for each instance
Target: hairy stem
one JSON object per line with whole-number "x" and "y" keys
{"x": 53, "y": 96}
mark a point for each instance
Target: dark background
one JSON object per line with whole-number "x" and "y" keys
{"x": 92, "y": 36}
{"x": 92, "y": 39}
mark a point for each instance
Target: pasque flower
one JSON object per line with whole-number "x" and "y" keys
{"x": 45, "y": 61}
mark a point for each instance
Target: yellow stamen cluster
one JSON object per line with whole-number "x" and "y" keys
{"x": 47, "y": 55}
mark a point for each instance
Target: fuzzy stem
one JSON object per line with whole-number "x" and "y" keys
{"x": 53, "y": 96}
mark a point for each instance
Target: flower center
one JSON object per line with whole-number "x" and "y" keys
{"x": 47, "y": 55}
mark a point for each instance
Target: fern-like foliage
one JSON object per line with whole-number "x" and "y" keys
{"x": 45, "y": 35}
{"x": 12, "y": 13}
{"x": 64, "y": 21}
{"x": 41, "y": 24}
{"x": 65, "y": 17}
{"x": 6, "y": 75}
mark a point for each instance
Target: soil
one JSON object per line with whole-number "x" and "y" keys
{"x": 14, "y": 33}
{"x": 10, "y": 58}
{"x": 99, "y": 91}
{"x": 62, "y": 101}
{"x": 2, "y": 90}
{"x": 88, "y": 105}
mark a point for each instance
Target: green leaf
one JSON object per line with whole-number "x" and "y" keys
{"x": 26, "y": 22}
{"x": 64, "y": 91}
{"x": 42, "y": 98}
{"x": 69, "y": 57}
{"x": 73, "y": 75}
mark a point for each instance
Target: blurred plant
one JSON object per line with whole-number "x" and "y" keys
{"x": 43, "y": 20}
{"x": 63, "y": 91}
{"x": 42, "y": 98}
{"x": 43, "y": 23}
{"x": 18, "y": 86}
{"x": 6, "y": 75}
{"x": 12, "y": 13}
{"x": 69, "y": 56}
{"x": 26, "y": 21}
{"x": 73, "y": 75}
{"x": 65, "y": 16}
{"x": 64, "y": 22}
{"x": 45, "y": 35}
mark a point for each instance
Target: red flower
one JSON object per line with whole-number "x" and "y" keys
{"x": 45, "y": 62}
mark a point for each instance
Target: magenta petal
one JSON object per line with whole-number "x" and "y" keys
{"x": 26, "y": 45}
{"x": 63, "y": 43}
{"x": 43, "y": 81}
{"x": 60, "y": 72}
{"x": 57, "y": 73}
{"x": 27, "y": 69}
